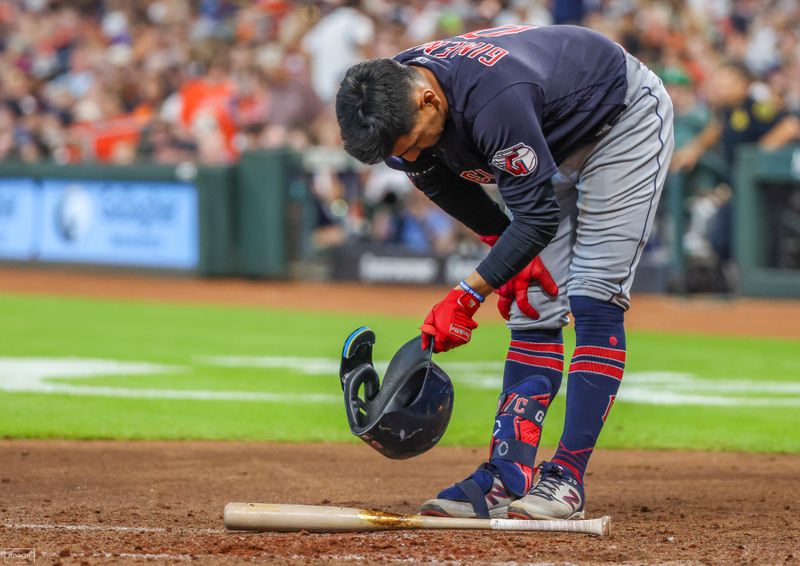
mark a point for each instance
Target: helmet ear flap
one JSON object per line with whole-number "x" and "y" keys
{"x": 358, "y": 408}
{"x": 357, "y": 351}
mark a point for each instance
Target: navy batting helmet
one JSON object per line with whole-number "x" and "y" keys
{"x": 408, "y": 412}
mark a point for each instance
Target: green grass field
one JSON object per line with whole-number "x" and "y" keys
{"x": 79, "y": 368}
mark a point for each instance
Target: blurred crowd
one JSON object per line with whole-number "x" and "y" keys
{"x": 167, "y": 81}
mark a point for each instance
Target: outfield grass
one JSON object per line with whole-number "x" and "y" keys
{"x": 743, "y": 393}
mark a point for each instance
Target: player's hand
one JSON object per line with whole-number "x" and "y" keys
{"x": 516, "y": 289}
{"x": 450, "y": 324}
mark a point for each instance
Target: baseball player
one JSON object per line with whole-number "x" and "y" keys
{"x": 577, "y": 134}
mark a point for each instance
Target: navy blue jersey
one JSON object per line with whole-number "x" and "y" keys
{"x": 520, "y": 100}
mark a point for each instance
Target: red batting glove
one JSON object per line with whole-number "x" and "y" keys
{"x": 516, "y": 289}
{"x": 450, "y": 322}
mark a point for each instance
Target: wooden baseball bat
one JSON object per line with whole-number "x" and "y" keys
{"x": 328, "y": 519}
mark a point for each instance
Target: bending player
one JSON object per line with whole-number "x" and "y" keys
{"x": 577, "y": 134}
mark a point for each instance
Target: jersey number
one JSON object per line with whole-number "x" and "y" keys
{"x": 496, "y": 32}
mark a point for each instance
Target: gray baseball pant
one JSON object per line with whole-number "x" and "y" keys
{"x": 608, "y": 193}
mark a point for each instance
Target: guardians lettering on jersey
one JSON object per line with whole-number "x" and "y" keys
{"x": 486, "y": 53}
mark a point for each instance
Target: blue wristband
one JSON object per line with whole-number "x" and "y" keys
{"x": 472, "y": 291}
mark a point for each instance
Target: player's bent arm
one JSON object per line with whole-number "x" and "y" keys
{"x": 464, "y": 200}
{"x": 508, "y": 131}
{"x": 534, "y": 225}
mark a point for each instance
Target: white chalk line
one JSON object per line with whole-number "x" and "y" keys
{"x": 649, "y": 388}
{"x": 110, "y": 528}
{"x": 35, "y": 375}
{"x": 186, "y": 557}
{"x": 131, "y": 555}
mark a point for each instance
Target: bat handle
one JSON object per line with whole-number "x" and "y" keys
{"x": 596, "y": 527}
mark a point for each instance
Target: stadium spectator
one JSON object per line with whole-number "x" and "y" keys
{"x": 746, "y": 113}
{"x": 691, "y": 115}
{"x": 177, "y": 80}
{"x": 335, "y": 43}
{"x": 744, "y": 116}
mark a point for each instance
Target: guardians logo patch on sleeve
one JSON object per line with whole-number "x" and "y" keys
{"x": 519, "y": 160}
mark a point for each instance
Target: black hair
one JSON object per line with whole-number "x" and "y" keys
{"x": 374, "y": 107}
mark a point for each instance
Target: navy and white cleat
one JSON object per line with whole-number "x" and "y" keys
{"x": 557, "y": 495}
{"x": 467, "y": 500}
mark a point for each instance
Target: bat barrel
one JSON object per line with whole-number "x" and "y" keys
{"x": 311, "y": 518}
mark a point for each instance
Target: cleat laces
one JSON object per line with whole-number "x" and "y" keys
{"x": 549, "y": 481}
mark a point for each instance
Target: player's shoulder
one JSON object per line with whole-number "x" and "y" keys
{"x": 475, "y": 67}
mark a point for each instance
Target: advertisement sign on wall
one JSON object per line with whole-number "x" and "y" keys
{"x": 386, "y": 263}
{"x": 148, "y": 224}
{"x": 18, "y": 208}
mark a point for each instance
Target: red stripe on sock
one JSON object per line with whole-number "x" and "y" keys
{"x": 538, "y": 346}
{"x": 610, "y": 353}
{"x": 594, "y": 367}
{"x": 541, "y": 361}
{"x": 574, "y": 452}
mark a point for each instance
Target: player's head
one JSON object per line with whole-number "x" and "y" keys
{"x": 386, "y": 108}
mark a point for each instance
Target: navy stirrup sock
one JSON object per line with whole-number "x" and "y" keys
{"x": 595, "y": 373}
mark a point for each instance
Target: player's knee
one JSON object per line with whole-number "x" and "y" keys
{"x": 553, "y": 314}
{"x": 597, "y": 318}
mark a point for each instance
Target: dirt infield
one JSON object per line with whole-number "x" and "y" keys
{"x": 86, "y": 502}
{"x": 744, "y": 317}
{"x": 137, "y": 502}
